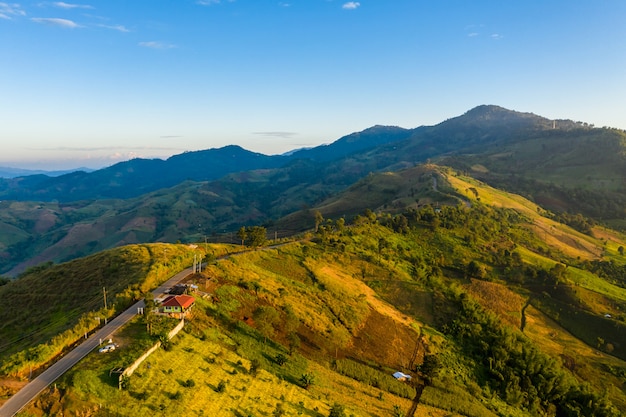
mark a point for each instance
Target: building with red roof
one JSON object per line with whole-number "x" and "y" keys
{"x": 177, "y": 303}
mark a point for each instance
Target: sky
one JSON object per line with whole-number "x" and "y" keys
{"x": 96, "y": 82}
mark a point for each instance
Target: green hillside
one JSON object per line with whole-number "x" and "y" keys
{"x": 491, "y": 304}
{"x": 565, "y": 170}
{"x": 570, "y": 168}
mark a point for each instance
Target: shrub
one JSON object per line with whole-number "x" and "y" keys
{"x": 280, "y": 359}
{"x": 306, "y": 380}
{"x": 255, "y": 365}
{"x": 221, "y": 387}
{"x": 188, "y": 383}
{"x": 337, "y": 410}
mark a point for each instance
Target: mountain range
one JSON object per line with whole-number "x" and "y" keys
{"x": 567, "y": 166}
{"x": 481, "y": 259}
{"x": 10, "y": 172}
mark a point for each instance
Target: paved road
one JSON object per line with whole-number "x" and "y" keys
{"x": 37, "y": 385}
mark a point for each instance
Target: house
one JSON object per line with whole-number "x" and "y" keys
{"x": 401, "y": 376}
{"x": 177, "y": 303}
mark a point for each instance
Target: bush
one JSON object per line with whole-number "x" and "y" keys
{"x": 337, "y": 410}
{"x": 188, "y": 383}
{"x": 306, "y": 380}
{"x": 280, "y": 359}
{"x": 221, "y": 387}
{"x": 255, "y": 365}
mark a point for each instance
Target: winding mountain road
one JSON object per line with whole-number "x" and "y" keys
{"x": 18, "y": 401}
{"x": 37, "y": 385}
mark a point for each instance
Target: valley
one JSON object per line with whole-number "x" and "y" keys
{"x": 407, "y": 253}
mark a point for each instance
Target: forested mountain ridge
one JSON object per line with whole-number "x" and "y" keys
{"x": 482, "y": 126}
{"x": 568, "y": 167}
{"x": 138, "y": 176}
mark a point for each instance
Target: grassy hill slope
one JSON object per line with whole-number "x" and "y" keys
{"x": 493, "y": 307}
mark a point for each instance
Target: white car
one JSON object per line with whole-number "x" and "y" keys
{"x": 107, "y": 348}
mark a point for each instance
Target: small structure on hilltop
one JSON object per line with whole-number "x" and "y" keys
{"x": 177, "y": 304}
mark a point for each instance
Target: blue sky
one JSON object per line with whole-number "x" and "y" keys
{"x": 92, "y": 83}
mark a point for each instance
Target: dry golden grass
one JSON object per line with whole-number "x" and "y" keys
{"x": 358, "y": 287}
{"x": 157, "y": 387}
{"x": 557, "y": 236}
{"x": 499, "y": 299}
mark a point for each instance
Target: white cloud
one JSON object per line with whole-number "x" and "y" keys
{"x": 10, "y": 9}
{"x": 351, "y": 5}
{"x": 496, "y": 36}
{"x": 157, "y": 45}
{"x": 473, "y": 34}
{"x": 53, "y": 21}
{"x": 211, "y": 2}
{"x": 64, "y": 5}
{"x": 119, "y": 28}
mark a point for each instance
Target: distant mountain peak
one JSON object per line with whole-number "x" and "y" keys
{"x": 488, "y": 116}
{"x": 488, "y": 110}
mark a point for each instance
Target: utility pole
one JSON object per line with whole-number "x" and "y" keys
{"x": 104, "y": 291}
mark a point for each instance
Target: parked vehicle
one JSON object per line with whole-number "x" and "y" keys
{"x": 108, "y": 348}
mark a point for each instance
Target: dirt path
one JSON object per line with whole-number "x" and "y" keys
{"x": 419, "y": 389}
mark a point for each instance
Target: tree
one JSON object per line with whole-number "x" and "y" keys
{"x": 148, "y": 298}
{"x": 256, "y": 286}
{"x": 430, "y": 367}
{"x": 340, "y": 225}
{"x": 257, "y": 236}
{"x": 292, "y": 322}
{"x": 339, "y": 337}
{"x": 337, "y": 410}
{"x": 242, "y": 235}
{"x": 318, "y": 219}
{"x": 382, "y": 245}
{"x": 266, "y": 318}
{"x": 475, "y": 270}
